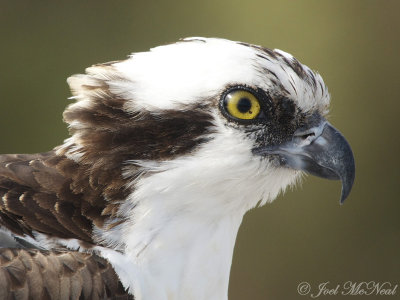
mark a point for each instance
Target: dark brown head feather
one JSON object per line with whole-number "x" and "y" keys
{"x": 63, "y": 197}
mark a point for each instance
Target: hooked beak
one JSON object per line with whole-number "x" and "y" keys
{"x": 321, "y": 151}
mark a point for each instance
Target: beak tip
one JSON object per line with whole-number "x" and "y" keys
{"x": 342, "y": 198}
{"x": 347, "y": 185}
{"x": 344, "y": 195}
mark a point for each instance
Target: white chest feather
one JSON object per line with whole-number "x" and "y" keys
{"x": 188, "y": 260}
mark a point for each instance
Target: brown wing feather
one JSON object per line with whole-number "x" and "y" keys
{"x": 34, "y": 274}
{"x": 49, "y": 194}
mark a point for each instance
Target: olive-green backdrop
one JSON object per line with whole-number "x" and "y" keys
{"x": 305, "y": 235}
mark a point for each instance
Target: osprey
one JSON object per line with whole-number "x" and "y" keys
{"x": 168, "y": 150}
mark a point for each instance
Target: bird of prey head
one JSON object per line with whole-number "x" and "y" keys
{"x": 168, "y": 150}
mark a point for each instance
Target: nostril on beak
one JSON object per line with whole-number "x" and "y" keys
{"x": 307, "y": 135}
{"x": 305, "y": 138}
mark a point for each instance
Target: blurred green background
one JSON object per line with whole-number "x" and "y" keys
{"x": 305, "y": 235}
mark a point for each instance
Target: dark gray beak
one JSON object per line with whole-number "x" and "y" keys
{"x": 321, "y": 151}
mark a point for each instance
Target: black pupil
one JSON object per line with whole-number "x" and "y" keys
{"x": 244, "y": 105}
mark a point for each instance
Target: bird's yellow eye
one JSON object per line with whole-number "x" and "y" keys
{"x": 241, "y": 104}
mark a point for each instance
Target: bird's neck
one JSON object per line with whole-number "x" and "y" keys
{"x": 189, "y": 262}
{"x": 183, "y": 218}
{"x": 187, "y": 259}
